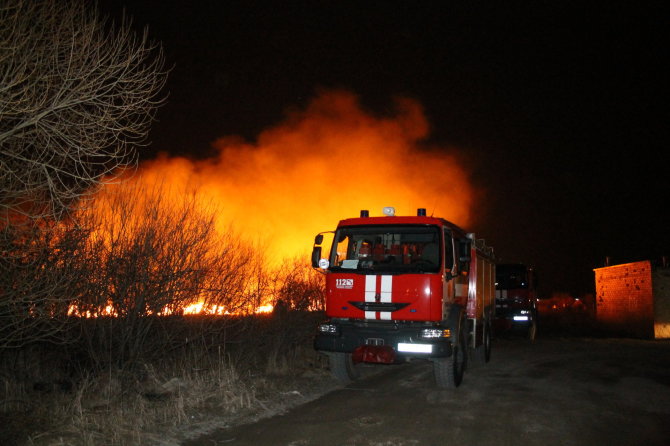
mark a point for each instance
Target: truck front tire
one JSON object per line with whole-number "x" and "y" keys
{"x": 342, "y": 367}
{"x": 449, "y": 371}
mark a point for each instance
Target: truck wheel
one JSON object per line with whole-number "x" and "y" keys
{"x": 483, "y": 352}
{"x": 342, "y": 367}
{"x": 449, "y": 371}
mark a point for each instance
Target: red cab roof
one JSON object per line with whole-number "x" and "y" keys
{"x": 400, "y": 220}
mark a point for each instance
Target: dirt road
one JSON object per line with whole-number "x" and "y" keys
{"x": 555, "y": 391}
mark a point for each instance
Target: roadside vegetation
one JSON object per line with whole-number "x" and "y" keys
{"x": 99, "y": 279}
{"x": 242, "y": 368}
{"x": 100, "y": 350}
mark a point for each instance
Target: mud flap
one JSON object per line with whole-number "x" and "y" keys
{"x": 379, "y": 354}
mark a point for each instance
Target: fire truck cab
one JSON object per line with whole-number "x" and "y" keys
{"x": 400, "y": 288}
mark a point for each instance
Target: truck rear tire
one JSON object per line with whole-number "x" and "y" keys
{"x": 449, "y": 371}
{"x": 483, "y": 352}
{"x": 342, "y": 367}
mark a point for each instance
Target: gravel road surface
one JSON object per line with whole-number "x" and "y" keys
{"x": 554, "y": 391}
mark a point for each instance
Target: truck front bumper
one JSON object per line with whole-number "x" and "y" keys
{"x": 405, "y": 339}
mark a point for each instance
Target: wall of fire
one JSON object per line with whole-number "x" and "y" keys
{"x": 633, "y": 299}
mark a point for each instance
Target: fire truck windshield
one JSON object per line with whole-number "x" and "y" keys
{"x": 509, "y": 277}
{"x": 386, "y": 248}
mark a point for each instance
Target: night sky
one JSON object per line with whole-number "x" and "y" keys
{"x": 556, "y": 108}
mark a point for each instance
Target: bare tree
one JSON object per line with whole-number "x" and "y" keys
{"x": 77, "y": 96}
{"x": 41, "y": 274}
{"x": 157, "y": 253}
{"x": 298, "y": 287}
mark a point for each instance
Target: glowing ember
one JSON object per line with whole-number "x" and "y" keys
{"x": 265, "y": 309}
{"x": 197, "y": 308}
{"x": 109, "y": 310}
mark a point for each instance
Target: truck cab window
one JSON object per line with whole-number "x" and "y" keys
{"x": 392, "y": 248}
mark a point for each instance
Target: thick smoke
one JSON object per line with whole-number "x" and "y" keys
{"x": 320, "y": 165}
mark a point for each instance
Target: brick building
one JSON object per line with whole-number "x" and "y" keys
{"x": 633, "y": 299}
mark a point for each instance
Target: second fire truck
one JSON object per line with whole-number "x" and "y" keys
{"x": 516, "y": 299}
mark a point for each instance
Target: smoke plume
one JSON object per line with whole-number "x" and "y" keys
{"x": 319, "y": 165}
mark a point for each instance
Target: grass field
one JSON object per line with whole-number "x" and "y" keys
{"x": 194, "y": 374}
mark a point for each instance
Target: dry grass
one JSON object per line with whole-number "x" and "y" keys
{"x": 180, "y": 396}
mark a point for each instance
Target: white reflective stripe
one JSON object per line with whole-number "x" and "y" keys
{"x": 385, "y": 315}
{"x": 387, "y": 285}
{"x": 370, "y": 288}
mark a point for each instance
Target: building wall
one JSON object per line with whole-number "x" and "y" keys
{"x": 625, "y": 300}
{"x": 661, "y": 287}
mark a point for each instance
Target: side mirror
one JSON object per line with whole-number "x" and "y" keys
{"x": 316, "y": 255}
{"x": 318, "y": 239}
{"x": 464, "y": 257}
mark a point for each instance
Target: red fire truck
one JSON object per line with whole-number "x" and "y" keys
{"x": 400, "y": 288}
